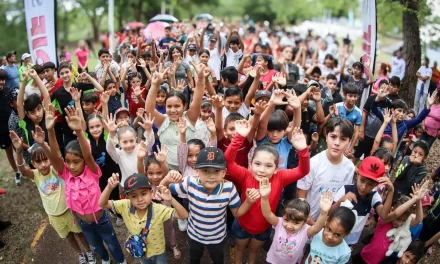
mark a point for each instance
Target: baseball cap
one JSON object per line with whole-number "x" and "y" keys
{"x": 211, "y": 157}
{"x": 213, "y": 38}
{"x": 312, "y": 83}
{"x": 9, "y": 54}
{"x": 372, "y": 168}
{"x": 49, "y": 65}
{"x": 136, "y": 181}
{"x": 192, "y": 47}
{"x": 261, "y": 94}
{"x": 25, "y": 56}
{"x": 120, "y": 110}
{"x": 426, "y": 200}
{"x": 13, "y": 94}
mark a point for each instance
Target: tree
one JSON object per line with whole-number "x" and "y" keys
{"x": 94, "y": 10}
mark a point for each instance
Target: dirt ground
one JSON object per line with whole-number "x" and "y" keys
{"x": 31, "y": 239}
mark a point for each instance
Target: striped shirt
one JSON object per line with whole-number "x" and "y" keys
{"x": 207, "y": 211}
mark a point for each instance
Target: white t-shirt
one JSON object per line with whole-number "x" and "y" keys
{"x": 397, "y": 67}
{"x": 214, "y": 61}
{"x": 29, "y": 90}
{"x": 243, "y": 110}
{"x": 424, "y": 71}
{"x": 325, "y": 176}
{"x": 233, "y": 58}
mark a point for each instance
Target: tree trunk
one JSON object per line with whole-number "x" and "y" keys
{"x": 95, "y": 25}
{"x": 412, "y": 50}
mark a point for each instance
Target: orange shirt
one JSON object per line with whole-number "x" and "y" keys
{"x": 435, "y": 75}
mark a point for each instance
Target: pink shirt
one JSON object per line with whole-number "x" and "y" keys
{"x": 82, "y": 192}
{"x": 267, "y": 78}
{"x": 374, "y": 252}
{"x": 432, "y": 121}
{"x": 82, "y": 56}
{"x": 68, "y": 57}
{"x": 287, "y": 248}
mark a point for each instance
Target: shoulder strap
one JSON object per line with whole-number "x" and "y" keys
{"x": 149, "y": 216}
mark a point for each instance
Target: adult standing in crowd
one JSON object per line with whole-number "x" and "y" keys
{"x": 398, "y": 65}
{"x": 11, "y": 70}
{"x": 424, "y": 75}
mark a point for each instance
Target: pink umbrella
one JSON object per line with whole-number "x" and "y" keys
{"x": 155, "y": 30}
{"x": 134, "y": 24}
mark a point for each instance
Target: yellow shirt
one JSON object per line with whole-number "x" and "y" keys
{"x": 135, "y": 224}
{"x": 51, "y": 188}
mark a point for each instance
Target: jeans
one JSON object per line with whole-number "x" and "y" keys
{"x": 159, "y": 259}
{"x": 420, "y": 101}
{"x": 196, "y": 251}
{"x": 102, "y": 231}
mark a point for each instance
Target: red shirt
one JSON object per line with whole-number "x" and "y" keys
{"x": 55, "y": 86}
{"x": 267, "y": 78}
{"x": 253, "y": 221}
{"x": 133, "y": 102}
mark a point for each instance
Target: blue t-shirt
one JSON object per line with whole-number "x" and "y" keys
{"x": 354, "y": 116}
{"x": 283, "y": 147}
{"x": 12, "y": 78}
{"x": 114, "y": 103}
{"x": 165, "y": 42}
{"x": 321, "y": 253}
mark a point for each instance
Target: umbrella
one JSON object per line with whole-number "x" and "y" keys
{"x": 205, "y": 16}
{"x": 134, "y": 24}
{"x": 155, "y": 30}
{"x": 164, "y": 18}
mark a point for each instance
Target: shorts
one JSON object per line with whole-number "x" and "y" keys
{"x": 64, "y": 224}
{"x": 5, "y": 141}
{"x": 238, "y": 232}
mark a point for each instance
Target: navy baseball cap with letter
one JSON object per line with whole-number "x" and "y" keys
{"x": 136, "y": 181}
{"x": 211, "y": 157}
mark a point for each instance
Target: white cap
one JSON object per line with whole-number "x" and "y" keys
{"x": 25, "y": 56}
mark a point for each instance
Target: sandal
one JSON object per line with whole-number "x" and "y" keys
{"x": 176, "y": 252}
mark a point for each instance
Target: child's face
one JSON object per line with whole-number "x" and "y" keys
{"x": 75, "y": 164}
{"x": 407, "y": 258}
{"x": 331, "y": 84}
{"x": 357, "y": 71}
{"x": 365, "y": 185}
{"x": 210, "y": 178}
{"x": 292, "y": 226}
{"x": 66, "y": 75}
{"x": 160, "y": 99}
{"x": 204, "y": 58}
{"x": 388, "y": 145}
{"x": 409, "y": 116}
{"x": 387, "y": 166}
{"x": 154, "y": 173}
{"x": 275, "y": 136}
{"x": 417, "y": 155}
{"x": 351, "y": 99}
{"x": 328, "y": 63}
{"x": 193, "y": 153}
{"x": 174, "y": 108}
{"x": 95, "y": 127}
{"x": 418, "y": 133}
{"x": 260, "y": 61}
{"x": 135, "y": 81}
{"x": 112, "y": 88}
{"x": 400, "y": 220}
{"x": 103, "y": 58}
{"x": 233, "y": 103}
{"x": 140, "y": 198}
{"x": 233, "y": 47}
{"x": 336, "y": 143}
{"x": 287, "y": 53}
{"x": 123, "y": 116}
{"x": 2, "y": 84}
{"x": 333, "y": 233}
{"x": 127, "y": 141}
{"x": 393, "y": 89}
{"x": 263, "y": 165}
{"x": 36, "y": 115}
{"x": 88, "y": 107}
{"x": 206, "y": 113}
{"x": 229, "y": 131}
{"x": 43, "y": 166}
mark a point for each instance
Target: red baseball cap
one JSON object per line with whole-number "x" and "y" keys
{"x": 372, "y": 168}
{"x": 426, "y": 200}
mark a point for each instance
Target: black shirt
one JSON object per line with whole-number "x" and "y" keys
{"x": 5, "y": 110}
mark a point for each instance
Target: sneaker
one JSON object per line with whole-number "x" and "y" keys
{"x": 82, "y": 258}
{"x": 17, "y": 178}
{"x": 119, "y": 221}
{"x": 106, "y": 261}
{"x": 90, "y": 257}
{"x": 183, "y": 224}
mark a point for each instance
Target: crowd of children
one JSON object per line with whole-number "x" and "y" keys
{"x": 253, "y": 152}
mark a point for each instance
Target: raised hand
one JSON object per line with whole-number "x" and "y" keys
{"x": 113, "y": 181}
{"x": 152, "y": 67}
{"x": 280, "y": 79}
{"x": 315, "y": 136}
{"x": 142, "y": 150}
{"x": 418, "y": 191}
{"x": 289, "y": 128}
{"x": 148, "y": 122}
{"x": 292, "y": 99}
{"x": 76, "y": 95}
{"x": 252, "y": 195}
{"x": 326, "y": 201}
{"x": 164, "y": 193}
{"x": 217, "y": 101}
{"x": 50, "y": 117}
{"x": 17, "y": 142}
{"x": 161, "y": 154}
{"x": 210, "y": 125}
{"x": 207, "y": 72}
{"x": 199, "y": 68}
{"x": 242, "y": 127}
{"x": 174, "y": 176}
{"x": 105, "y": 97}
{"x": 316, "y": 95}
{"x": 73, "y": 118}
{"x": 395, "y": 116}
{"x": 387, "y": 182}
{"x": 264, "y": 188}
{"x": 431, "y": 99}
{"x": 110, "y": 125}
{"x": 140, "y": 113}
{"x": 180, "y": 86}
{"x": 33, "y": 74}
{"x": 259, "y": 107}
{"x": 350, "y": 196}
{"x": 181, "y": 125}
{"x": 25, "y": 75}
{"x": 253, "y": 72}
{"x": 38, "y": 135}
{"x": 298, "y": 139}
{"x": 277, "y": 97}
{"x": 142, "y": 63}
{"x": 387, "y": 115}
{"x": 156, "y": 78}
{"x": 383, "y": 92}
{"x": 332, "y": 109}
{"x": 138, "y": 91}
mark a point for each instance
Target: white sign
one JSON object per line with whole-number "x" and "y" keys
{"x": 40, "y": 26}
{"x": 369, "y": 26}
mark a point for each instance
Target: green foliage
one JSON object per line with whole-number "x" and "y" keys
{"x": 389, "y": 16}
{"x": 14, "y": 31}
